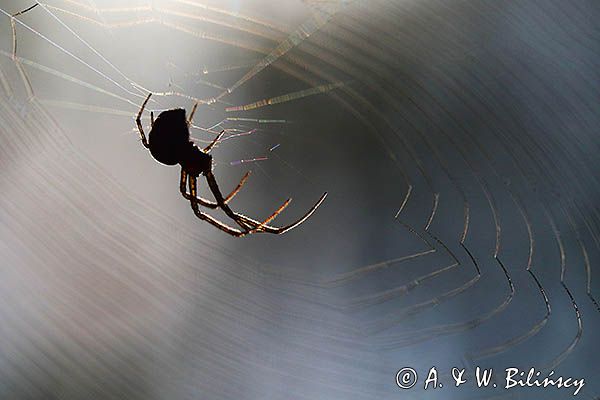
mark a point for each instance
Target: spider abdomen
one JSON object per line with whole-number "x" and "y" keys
{"x": 170, "y": 137}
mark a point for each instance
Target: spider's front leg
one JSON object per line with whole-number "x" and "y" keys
{"x": 138, "y": 121}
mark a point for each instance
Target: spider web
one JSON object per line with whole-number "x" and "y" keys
{"x": 460, "y": 228}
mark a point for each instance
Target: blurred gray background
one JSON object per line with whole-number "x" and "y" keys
{"x": 457, "y": 141}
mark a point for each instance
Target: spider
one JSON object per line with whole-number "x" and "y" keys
{"x": 169, "y": 143}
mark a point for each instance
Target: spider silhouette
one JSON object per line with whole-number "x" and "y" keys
{"x": 169, "y": 143}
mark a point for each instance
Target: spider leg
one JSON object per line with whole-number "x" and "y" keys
{"x": 239, "y": 219}
{"x": 205, "y": 217}
{"x": 13, "y": 26}
{"x": 208, "y": 148}
{"x": 291, "y": 226}
{"x": 257, "y": 225}
{"x": 212, "y": 205}
{"x": 204, "y": 202}
{"x": 25, "y": 10}
{"x": 138, "y": 120}
{"x": 272, "y": 216}
{"x": 151, "y": 118}
{"x": 192, "y": 113}
{"x": 235, "y": 191}
{"x": 247, "y": 224}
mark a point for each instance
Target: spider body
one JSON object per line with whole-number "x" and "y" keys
{"x": 170, "y": 144}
